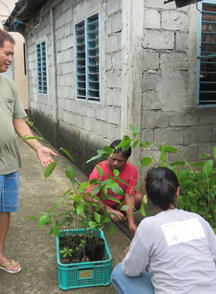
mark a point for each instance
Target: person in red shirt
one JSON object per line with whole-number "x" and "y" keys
{"x": 129, "y": 175}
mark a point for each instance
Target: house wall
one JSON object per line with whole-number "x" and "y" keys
{"x": 80, "y": 126}
{"x": 169, "y": 110}
{"x": 147, "y": 77}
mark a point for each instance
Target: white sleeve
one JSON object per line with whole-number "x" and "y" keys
{"x": 137, "y": 258}
{"x": 212, "y": 240}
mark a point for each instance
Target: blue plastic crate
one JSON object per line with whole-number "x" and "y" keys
{"x": 84, "y": 274}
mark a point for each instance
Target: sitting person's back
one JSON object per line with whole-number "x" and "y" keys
{"x": 176, "y": 247}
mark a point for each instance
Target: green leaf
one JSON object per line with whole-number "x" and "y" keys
{"x": 100, "y": 153}
{"x": 142, "y": 209}
{"x": 32, "y": 138}
{"x": 146, "y": 161}
{"x": 32, "y": 217}
{"x": 60, "y": 200}
{"x": 43, "y": 220}
{"x": 97, "y": 217}
{"x": 116, "y": 172}
{"x": 214, "y": 152}
{"x": 167, "y": 148}
{"x": 55, "y": 230}
{"x": 92, "y": 224}
{"x": 108, "y": 197}
{"x": 197, "y": 164}
{"x": 208, "y": 167}
{"x": 49, "y": 169}
{"x": 99, "y": 170}
{"x": 135, "y": 130}
{"x": 67, "y": 153}
{"x": 117, "y": 189}
{"x": 124, "y": 208}
{"x": 125, "y": 143}
{"x": 70, "y": 172}
{"x": 79, "y": 209}
{"x": 144, "y": 144}
{"x": 135, "y": 143}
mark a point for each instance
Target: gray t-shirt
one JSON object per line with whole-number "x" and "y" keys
{"x": 10, "y": 107}
{"x": 178, "y": 249}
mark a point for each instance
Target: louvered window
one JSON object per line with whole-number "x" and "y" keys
{"x": 41, "y": 68}
{"x": 207, "y": 54}
{"x": 87, "y": 59}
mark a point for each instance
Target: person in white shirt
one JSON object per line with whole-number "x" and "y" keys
{"x": 171, "y": 252}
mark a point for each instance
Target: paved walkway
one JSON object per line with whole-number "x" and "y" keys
{"x": 32, "y": 246}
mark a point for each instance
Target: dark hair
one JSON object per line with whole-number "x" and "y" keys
{"x": 161, "y": 187}
{"x": 115, "y": 144}
{"x": 5, "y": 36}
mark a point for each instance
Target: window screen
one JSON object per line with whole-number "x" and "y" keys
{"x": 87, "y": 58}
{"x": 41, "y": 68}
{"x": 207, "y": 58}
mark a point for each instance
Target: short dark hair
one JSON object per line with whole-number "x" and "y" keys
{"x": 5, "y": 36}
{"x": 161, "y": 187}
{"x": 126, "y": 153}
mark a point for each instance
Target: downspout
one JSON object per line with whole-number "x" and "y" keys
{"x": 54, "y": 73}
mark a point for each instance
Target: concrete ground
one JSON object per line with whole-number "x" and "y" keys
{"x": 32, "y": 246}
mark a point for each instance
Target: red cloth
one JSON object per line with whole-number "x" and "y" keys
{"x": 128, "y": 174}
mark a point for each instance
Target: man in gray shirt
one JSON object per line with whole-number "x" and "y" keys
{"x": 12, "y": 123}
{"x": 176, "y": 247}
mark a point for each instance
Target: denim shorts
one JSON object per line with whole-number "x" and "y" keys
{"x": 9, "y": 191}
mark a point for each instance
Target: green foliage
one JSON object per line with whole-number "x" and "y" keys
{"x": 197, "y": 187}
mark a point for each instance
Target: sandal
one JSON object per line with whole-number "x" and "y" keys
{"x": 11, "y": 263}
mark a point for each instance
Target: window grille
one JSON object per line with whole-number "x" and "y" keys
{"x": 87, "y": 58}
{"x": 41, "y": 68}
{"x": 207, "y": 55}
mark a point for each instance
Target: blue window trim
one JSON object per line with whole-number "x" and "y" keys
{"x": 41, "y": 52}
{"x": 87, "y": 59}
{"x": 199, "y": 31}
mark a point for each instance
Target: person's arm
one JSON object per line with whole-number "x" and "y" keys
{"x": 44, "y": 154}
{"x": 137, "y": 258}
{"x": 130, "y": 203}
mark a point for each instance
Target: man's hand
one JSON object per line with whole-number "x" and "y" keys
{"x": 45, "y": 155}
{"x": 115, "y": 214}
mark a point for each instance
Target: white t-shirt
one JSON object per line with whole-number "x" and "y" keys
{"x": 178, "y": 249}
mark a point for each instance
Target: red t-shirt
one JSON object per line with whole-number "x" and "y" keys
{"x": 128, "y": 174}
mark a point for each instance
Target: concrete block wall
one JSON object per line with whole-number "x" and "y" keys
{"x": 169, "y": 111}
{"x": 80, "y": 126}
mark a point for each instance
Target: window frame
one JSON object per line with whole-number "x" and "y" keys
{"x": 42, "y": 92}
{"x": 87, "y": 98}
{"x": 199, "y": 40}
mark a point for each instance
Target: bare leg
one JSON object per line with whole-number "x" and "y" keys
{"x": 4, "y": 226}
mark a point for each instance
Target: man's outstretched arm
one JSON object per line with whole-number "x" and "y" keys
{"x": 44, "y": 154}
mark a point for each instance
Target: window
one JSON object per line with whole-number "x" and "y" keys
{"x": 207, "y": 54}
{"x": 41, "y": 68}
{"x": 87, "y": 59}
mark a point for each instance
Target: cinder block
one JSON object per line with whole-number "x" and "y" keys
{"x": 154, "y": 119}
{"x": 172, "y": 136}
{"x": 152, "y": 19}
{"x": 150, "y": 101}
{"x": 175, "y": 20}
{"x": 197, "y": 135}
{"x": 114, "y": 23}
{"x": 178, "y": 119}
{"x": 113, "y": 6}
{"x": 182, "y": 41}
{"x": 160, "y": 4}
{"x": 151, "y": 60}
{"x": 150, "y": 81}
{"x": 190, "y": 153}
{"x": 113, "y": 43}
{"x": 174, "y": 61}
{"x": 158, "y": 39}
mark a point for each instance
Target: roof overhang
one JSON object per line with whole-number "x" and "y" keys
{"x": 182, "y": 3}
{"x": 23, "y": 11}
